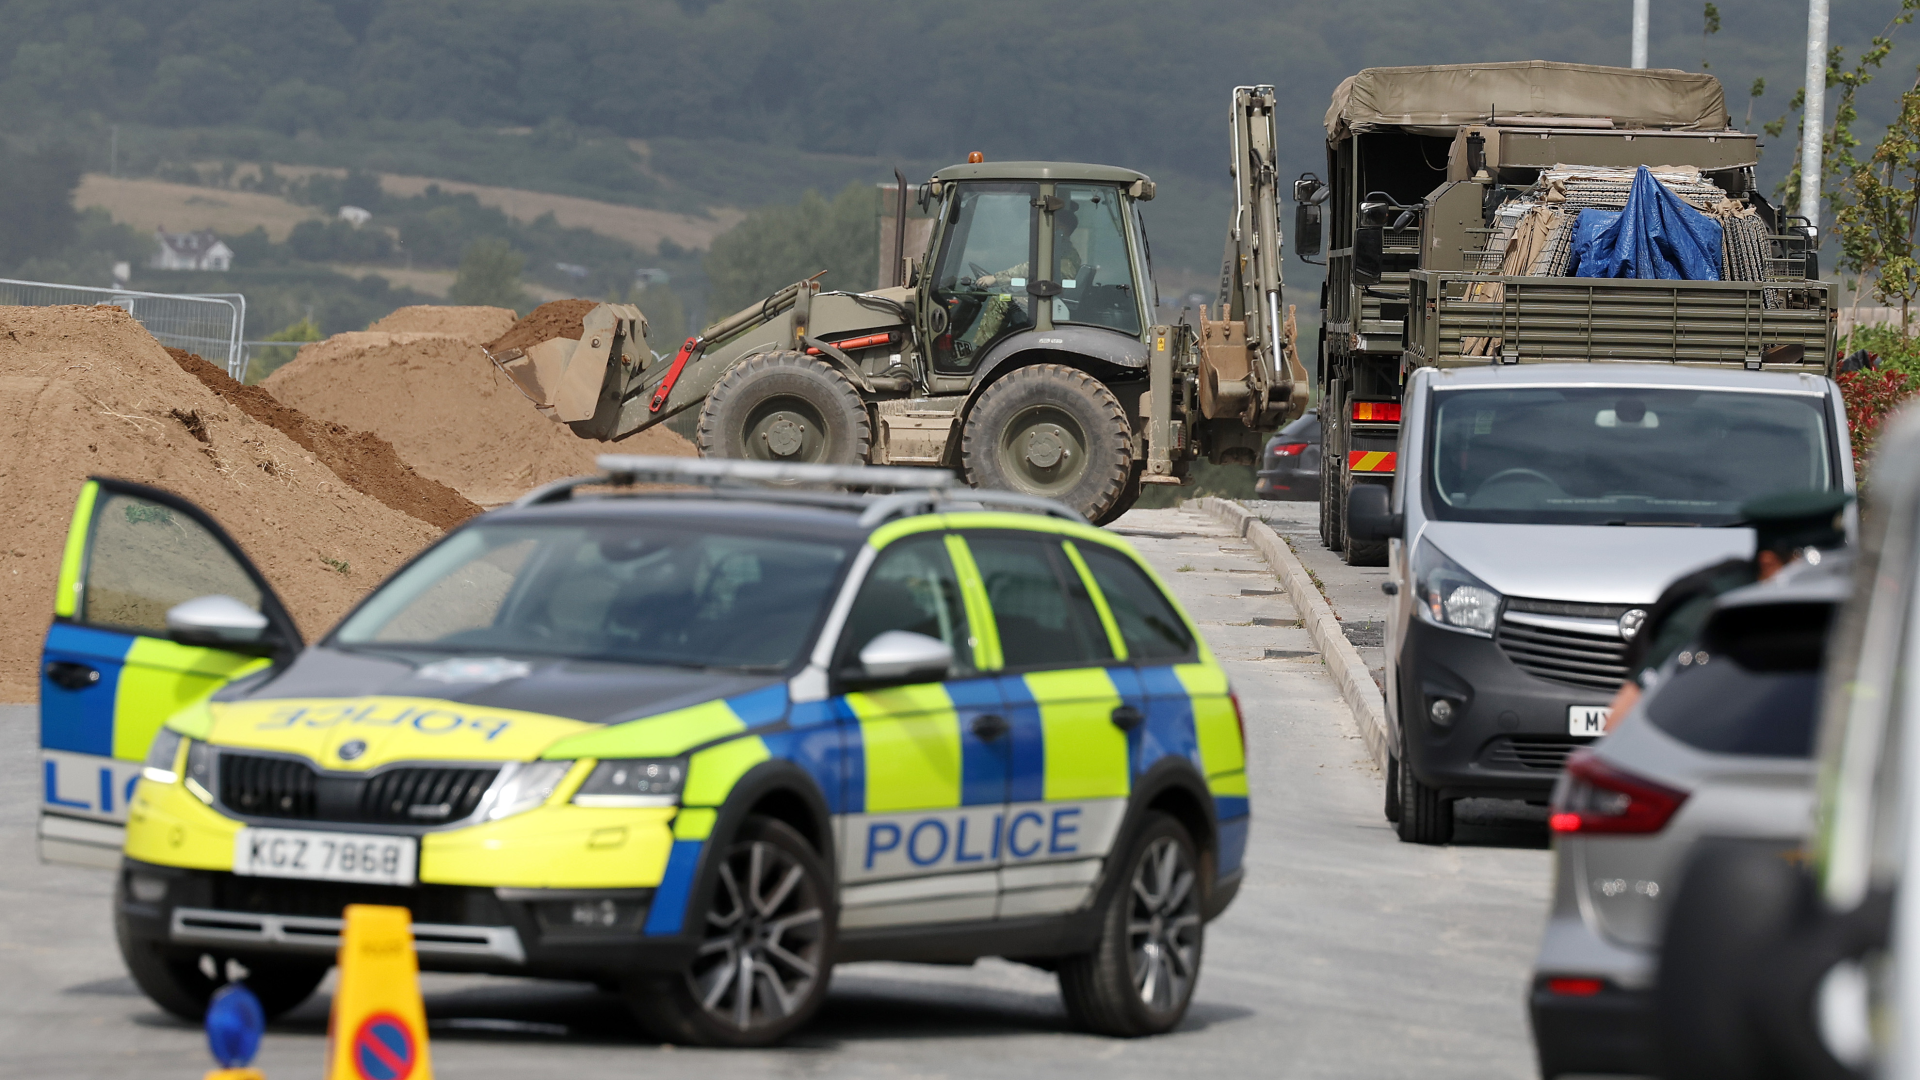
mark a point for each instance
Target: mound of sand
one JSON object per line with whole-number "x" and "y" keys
{"x": 553, "y": 319}
{"x": 449, "y": 412}
{"x": 87, "y": 390}
{"x": 364, "y": 460}
{"x": 476, "y": 324}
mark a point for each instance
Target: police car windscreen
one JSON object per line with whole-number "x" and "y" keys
{"x": 641, "y": 593}
{"x": 1621, "y": 455}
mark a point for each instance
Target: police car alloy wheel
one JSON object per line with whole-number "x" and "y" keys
{"x": 766, "y": 938}
{"x": 1140, "y": 978}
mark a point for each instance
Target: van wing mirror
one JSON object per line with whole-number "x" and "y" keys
{"x": 1306, "y": 229}
{"x": 899, "y": 656}
{"x": 220, "y": 622}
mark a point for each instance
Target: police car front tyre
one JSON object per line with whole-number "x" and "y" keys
{"x": 178, "y": 981}
{"x": 1140, "y": 978}
{"x": 766, "y": 931}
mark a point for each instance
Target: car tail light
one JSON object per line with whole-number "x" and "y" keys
{"x": 1289, "y": 449}
{"x": 1239, "y": 718}
{"x": 1597, "y": 798}
{"x": 1575, "y": 987}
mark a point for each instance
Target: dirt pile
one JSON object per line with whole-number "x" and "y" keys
{"x": 475, "y": 324}
{"x": 447, "y": 410}
{"x": 87, "y": 390}
{"x": 364, "y": 460}
{"x": 554, "y": 319}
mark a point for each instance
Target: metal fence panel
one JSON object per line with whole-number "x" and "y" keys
{"x": 210, "y": 324}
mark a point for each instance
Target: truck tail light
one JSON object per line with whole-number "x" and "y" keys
{"x": 1597, "y": 798}
{"x": 1377, "y": 412}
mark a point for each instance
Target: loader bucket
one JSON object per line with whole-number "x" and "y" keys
{"x": 564, "y": 376}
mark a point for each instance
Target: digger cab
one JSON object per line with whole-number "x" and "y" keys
{"x": 1028, "y": 248}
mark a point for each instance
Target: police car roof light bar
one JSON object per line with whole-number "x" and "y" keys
{"x": 634, "y": 469}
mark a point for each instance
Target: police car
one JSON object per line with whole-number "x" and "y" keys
{"x": 696, "y": 745}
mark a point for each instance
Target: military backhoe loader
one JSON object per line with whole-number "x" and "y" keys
{"x": 1020, "y": 350}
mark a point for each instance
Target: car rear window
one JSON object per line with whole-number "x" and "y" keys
{"x": 1723, "y": 708}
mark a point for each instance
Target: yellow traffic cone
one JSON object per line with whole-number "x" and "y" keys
{"x": 378, "y": 1030}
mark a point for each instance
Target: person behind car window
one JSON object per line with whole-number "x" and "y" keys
{"x": 994, "y": 314}
{"x": 1785, "y": 526}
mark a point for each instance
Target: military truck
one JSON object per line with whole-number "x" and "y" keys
{"x": 1449, "y": 200}
{"x": 1020, "y": 349}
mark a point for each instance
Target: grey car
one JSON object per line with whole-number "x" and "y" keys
{"x": 1537, "y": 512}
{"x": 1721, "y": 747}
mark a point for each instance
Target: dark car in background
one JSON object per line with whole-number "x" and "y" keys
{"x": 1290, "y": 465}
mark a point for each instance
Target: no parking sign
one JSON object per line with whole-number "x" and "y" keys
{"x": 379, "y": 1028}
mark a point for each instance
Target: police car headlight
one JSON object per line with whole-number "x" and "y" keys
{"x": 1447, "y": 595}
{"x": 200, "y": 770}
{"x": 634, "y": 782}
{"x": 162, "y": 756}
{"x": 522, "y": 786}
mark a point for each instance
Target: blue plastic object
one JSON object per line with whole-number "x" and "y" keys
{"x": 1657, "y": 236}
{"x": 235, "y": 1023}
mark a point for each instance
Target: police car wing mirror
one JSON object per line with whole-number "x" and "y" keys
{"x": 219, "y": 622}
{"x": 904, "y": 656}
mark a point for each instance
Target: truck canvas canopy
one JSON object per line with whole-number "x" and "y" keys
{"x": 1446, "y": 96}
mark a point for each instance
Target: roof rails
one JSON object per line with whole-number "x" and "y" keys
{"x": 928, "y": 490}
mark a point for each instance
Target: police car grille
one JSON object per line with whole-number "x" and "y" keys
{"x": 1565, "y": 656}
{"x": 268, "y": 787}
{"x": 1546, "y": 753}
{"x": 258, "y": 786}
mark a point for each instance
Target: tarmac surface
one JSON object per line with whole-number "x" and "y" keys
{"x": 1347, "y": 953}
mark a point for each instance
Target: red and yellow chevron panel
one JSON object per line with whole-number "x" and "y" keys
{"x": 1370, "y": 461}
{"x": 1379, "y": 412}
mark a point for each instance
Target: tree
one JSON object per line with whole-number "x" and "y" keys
{"x": 36, "y": 202}
{"x": 489, "y": 276}
{"x": 778, "y": 245}
{"x": 271, "y": 359}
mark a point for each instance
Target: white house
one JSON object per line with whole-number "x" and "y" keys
{"x": 190, "y": 251}
{"x": 355, "y": 215}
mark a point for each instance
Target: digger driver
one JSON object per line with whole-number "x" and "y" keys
{"x": 993, "y": 314}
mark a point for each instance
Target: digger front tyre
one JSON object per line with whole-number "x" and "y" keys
{"x": 785, "y": 406}
{"x": 1053, "y": 431}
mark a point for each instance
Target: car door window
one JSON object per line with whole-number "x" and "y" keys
{"x": 1041, "y": 620}
{"x": 1152, "y": 630}
{"x": 913, "y": 588}
{"x": 146, "y": 557}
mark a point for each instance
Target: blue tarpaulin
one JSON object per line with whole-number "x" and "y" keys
{"x": 1656, "y": 236}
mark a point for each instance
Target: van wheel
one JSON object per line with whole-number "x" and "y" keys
{"x": 1425, "y": 817}
{"x": 785, "y": 406}
{"x": 1053, "y": 431}
{"x": 177, "y": 981}
{"x": 1140, "y": 978}
{"x": 1393, "y": 789}
{"x": 766, "y": 950}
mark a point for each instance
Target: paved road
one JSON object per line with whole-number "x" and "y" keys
{"x": 1347, "y": 954}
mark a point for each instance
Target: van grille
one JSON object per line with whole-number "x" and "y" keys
{"x": 1591, "y": 661}
{"x": 1546, "y": 753}
{"x": 258, "y": 786}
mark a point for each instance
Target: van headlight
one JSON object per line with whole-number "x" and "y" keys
{"x": 633, "y": 782}
{"x": 1449, "y": 596}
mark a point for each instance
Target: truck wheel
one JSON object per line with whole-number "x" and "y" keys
{"x": 1359, "y": 552}
{"x": 1128, "y": 496}
{"x": 766, "y": 952}
{"x": 1053, "y": 431}
{"x": 1140, "y": 977}
{"x": 176, "y": 981}
{"x": 1425, "y": 817}
{"x": 785, "y": 406}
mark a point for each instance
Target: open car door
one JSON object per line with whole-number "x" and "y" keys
{"x": 113, "y": 670}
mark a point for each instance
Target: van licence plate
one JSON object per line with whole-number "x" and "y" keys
{"x": 1587, "y": 720}
{"x": 317, "y": 855}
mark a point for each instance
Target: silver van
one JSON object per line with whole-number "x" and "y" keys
{"x": 1537, "y": 512}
